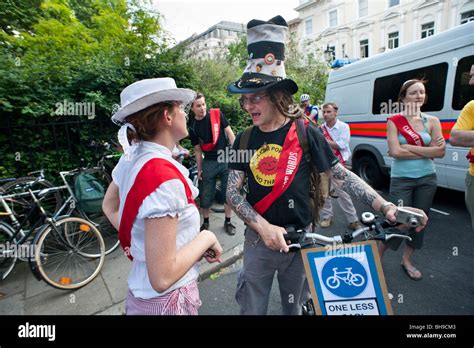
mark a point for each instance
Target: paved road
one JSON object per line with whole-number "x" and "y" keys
{"x": 446, "y": 262}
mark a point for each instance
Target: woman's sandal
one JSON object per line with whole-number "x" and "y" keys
{"x": 411, "y": 271}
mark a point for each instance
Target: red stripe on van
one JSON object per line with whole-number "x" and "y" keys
{"x": 378, "y": 129}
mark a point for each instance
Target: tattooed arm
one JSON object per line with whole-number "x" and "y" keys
{"x": 271, "y": 235}
{"x": 352, "y": 184}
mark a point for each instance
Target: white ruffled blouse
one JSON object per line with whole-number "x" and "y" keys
{"x": 168, "y": 200}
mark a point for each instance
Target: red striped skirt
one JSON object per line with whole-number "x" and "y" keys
{"x": 181, "y": 301}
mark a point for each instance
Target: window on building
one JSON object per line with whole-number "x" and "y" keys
{"x": 308, "y": 24}
{"x": 467, "y": 16}
{"x": 364, "y": 48}
{"x": 393, "y": 40}
{"x": 226, "y": 33}
{"x": 392, "y": 3}
{"x": 427, "y": 30}
{"x": 343, "y": 50}
{"x": 333, "y": 18}
{"x": 463, "y": 92}
{"x": 384, "y": 100}
{"x": 363, "y": 8}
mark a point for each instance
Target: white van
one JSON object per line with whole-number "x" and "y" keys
{"x": 366, "y": 91}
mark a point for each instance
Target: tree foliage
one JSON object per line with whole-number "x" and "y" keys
{"x": 54, "y": 52}
{"x": 58, "y": 53}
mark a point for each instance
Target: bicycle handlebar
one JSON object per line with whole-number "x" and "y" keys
{"x": 300, "y": 239}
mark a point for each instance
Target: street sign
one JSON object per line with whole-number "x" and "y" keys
{"x": 347, "y": 280}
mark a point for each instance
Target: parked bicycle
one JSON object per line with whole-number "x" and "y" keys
{"x": 19, "y": 204}
{"x": 65, "y": 252}
{"x": 373, "y": 230}
{"x": 72, "y": 206}
{"x": 63, "y": 199}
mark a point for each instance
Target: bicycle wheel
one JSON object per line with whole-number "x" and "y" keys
{"x": 8, "y": 256}
{"x": 100, "y": 221}
{"x": 63, "y": 253}
{"x": 333, "y": 282}
{"x": 51, "y": 202}
{"x": 357, "y": 280}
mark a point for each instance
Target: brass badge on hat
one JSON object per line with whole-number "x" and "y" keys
{"x": 269, "y": 58}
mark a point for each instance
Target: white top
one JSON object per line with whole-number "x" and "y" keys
{"x": 341, "y": 134}
{"x": 168, "y": 200}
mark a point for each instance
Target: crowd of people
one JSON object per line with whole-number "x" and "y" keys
{"x": 151, "y": 201}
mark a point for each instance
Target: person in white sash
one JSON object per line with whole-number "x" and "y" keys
{"x": 165, "y": 242}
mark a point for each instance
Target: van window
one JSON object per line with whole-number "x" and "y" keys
{"x": 462, "y": 92}
{"x": 348, "y": 105}
{"x": 386, "y": 88}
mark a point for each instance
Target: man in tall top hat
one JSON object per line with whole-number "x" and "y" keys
{"x": 278, "y": 178}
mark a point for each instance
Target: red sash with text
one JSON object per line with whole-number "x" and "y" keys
{"x": 155, "y": 172}
{"x": 412, "y": 137}
{"x": 287, "y": 166}
{"x": 336, "y": 152}
{"x": 215, "y": 129}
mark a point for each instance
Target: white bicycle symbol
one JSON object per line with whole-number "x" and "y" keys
{"x": 350, "y": 278}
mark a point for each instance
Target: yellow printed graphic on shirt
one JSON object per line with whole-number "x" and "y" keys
{"x": 264, "y": 164}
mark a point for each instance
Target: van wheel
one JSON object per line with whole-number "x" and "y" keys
{"x": 368, "y": 170}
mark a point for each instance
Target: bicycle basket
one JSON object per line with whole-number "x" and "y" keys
{"x": 89, "y": 193}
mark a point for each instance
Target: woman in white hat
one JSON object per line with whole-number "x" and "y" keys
{"x": 151, "y": 202}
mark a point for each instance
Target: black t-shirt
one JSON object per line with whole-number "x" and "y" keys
{"x": 200, "y": 132}
{"x": 292, "y": 207}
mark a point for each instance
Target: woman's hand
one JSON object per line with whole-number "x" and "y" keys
{"x": 214, "y": 253}
{"x": 437, "y": 142}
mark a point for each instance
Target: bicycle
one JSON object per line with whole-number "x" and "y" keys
{"x": 21, "y": 200}
{"x": 19, "y": 203}
{"x": 66, "y": 252}
{"x": 350, "y": 278}
{"x": 373, "y": 230}
{"x": 71, "y": 206}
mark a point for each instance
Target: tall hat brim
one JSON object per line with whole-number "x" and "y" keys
{"x": 266, "y": 63}
{"x": 254, "y": 82}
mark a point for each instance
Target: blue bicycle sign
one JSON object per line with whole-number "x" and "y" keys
{"x": 349, "y": 278}
{"x": 344, "y": 277}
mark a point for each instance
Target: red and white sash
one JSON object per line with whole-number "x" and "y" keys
{"x": 153, "y": 173}
{"x": 287, "y": 166}
{"x": 336, "y": 152}
{"x": 405, "y": 129}
{"x": 215, "y": 129}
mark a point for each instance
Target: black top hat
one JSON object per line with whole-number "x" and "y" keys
{"x": 265, "y": 68}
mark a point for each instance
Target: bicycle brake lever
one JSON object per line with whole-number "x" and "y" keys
{"x": 294, "y": 247}
{"x": 397, "y": 235}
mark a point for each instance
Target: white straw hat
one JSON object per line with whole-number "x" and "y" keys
{"x": 142, "y": 94}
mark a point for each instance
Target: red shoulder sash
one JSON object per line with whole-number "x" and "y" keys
{"x": 412, "y": 137}
{"x": 287, "y": 166}
{"x": 155, "y": 172}
{"x": 336, "y": 152}
{"x": 215, "y": 128}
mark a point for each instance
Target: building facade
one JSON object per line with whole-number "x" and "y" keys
{"x": 362, "y": 28}
{"x": 213, "y": 43}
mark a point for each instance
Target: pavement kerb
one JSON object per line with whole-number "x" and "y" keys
{"x": 228, "y": 258}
